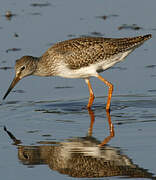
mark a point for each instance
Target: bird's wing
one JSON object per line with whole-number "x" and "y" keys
{"x": 81, "y": 52}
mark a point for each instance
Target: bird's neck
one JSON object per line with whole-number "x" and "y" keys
{"x": 42, "y": 68}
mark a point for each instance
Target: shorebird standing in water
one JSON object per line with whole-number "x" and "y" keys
{"x": 83, "y": 57}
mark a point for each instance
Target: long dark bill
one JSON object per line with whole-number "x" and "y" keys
{"x": 12, "y": 85}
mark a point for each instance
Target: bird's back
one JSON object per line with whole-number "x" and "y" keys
{"x": 81, "y": 52}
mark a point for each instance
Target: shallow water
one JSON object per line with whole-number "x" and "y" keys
{"x": 47, "y": 120}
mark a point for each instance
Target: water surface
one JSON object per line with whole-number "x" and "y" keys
{"x": 48, "y": 116}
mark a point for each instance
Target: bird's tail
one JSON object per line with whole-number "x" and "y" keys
{"x": 126, "y": 44}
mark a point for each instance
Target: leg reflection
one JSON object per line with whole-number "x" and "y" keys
{"x": 111, "y": 127}
{"x": 81, "y": 157}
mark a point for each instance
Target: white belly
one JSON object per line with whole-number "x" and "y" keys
{"x": 91, "y": 70}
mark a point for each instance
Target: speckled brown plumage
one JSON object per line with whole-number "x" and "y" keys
{"x": 81, "y": 52}
{"x": 83, "y": 57}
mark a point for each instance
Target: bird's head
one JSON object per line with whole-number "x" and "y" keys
{"x": 24, "y": 66}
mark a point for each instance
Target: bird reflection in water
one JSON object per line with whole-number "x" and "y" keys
{"x": 81, "y": 157}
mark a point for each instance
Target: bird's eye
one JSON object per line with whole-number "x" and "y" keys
{"x": 22, "y": 68}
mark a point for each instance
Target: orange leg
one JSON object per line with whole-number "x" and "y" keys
{"x": 91, "y": 98}
{"x": 109, "y": 92}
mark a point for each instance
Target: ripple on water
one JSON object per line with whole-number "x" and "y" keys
{"x": 124, "y": 108}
